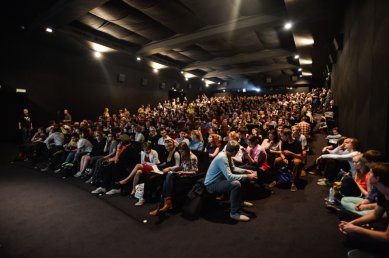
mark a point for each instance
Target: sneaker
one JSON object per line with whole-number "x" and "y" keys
{"x": 247, "y": 204}
{"x": 99, "y": 190}
{"x": 89, "y": 181}
{"x": 239, "y": 217}
{"x": 140, "y": 202}
{"x": 322, "y": 183}
{"x": 293, "y": 188}
{"x": 78, "y": 174}
{"x": 57, "y": 170}
{"x": 272, "y": 184}
{"x": 45, "y": 169}
{"x": 356, "y": 253}
{"x": 113, "y": 191}
{"x": 321, "y": 179}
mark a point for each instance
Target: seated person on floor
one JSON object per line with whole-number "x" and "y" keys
{"x": 340, "y": 158}
{"x": 222, "y": 177}
{"x": 359, "y": 205}
{"x": 297, "y": 135}
{"x": 188, "y": 167}
{"x": 291, "y": 156}
{"x": 334, "y": 137}
{"x": 369, "y": 232}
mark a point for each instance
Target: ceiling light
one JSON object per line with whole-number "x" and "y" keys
{"x": 99, "y": 48}
{"x": 288, "y": 26}
{"x": 202, "y": 79}
{"x": 296, "y": 57}
{"x": 300, "y": 69}
{"x": 302, "y": 41}
{"x": 182, "y": 72}
{"x": 305, "y": 61}
{"x": 224, "y": 90}
{"x": 186, "y": 79}
{"x": 49, "y": 30}
{"x": 258, "y": 90}
{"x": 218, "y": 83}
{"x": 244, "y": 90}
{"x": 138, "y": 58}
{"x": 307, "y": 73}
{"x": 155, "y": 70}
{"x": 97, "y": 54}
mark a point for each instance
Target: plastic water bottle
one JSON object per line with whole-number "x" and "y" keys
{"x": 331, "y": 195}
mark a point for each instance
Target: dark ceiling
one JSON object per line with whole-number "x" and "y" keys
{"x": 216, "y": 39}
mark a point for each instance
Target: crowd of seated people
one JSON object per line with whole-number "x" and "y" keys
{"x": 248, "y": 139}
{"x": 91, "y": 148}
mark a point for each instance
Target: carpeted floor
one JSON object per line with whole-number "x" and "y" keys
{"x": 43, "y": 215}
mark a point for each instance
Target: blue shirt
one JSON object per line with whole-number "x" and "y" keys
{"x": 220, "y": 170}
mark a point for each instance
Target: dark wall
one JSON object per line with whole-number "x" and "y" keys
{"x": 61, "y": 72}
{"x": 360, "y": 77}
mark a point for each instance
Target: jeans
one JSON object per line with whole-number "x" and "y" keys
{"x": 234, "y": 187}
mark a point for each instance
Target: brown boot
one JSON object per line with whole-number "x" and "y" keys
{"x": 154, "y": 212}
{"x": 167, "y": 205}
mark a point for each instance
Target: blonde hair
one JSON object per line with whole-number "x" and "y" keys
{"x": 198, "y": 134}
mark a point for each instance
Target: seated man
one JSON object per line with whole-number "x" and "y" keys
{"x": 361, "y": 233}
{"x": 291, "y": 156}
{"x": 222, "y": 176}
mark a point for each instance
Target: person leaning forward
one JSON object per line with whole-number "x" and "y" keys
{"x": 222, "y": 176}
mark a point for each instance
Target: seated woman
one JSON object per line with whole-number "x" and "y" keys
{"x": 197, "y": 142}
{"x": 149, "y": 158}
{"x": 213, "y": 147}
{"x": 255, "y": 156}
{"x": 272, "y": 146}
{"x": 188, "y": 167}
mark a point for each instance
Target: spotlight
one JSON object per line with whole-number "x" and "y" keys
{"x": 300, "y": 69}
{"x": 296, "y": 57}
{"x": 301, "y": 75}
{"x": 155, "y": 70}
{"x": 138, "y": 58}
{"x": 202, "y": 79}
{"x": 186, "y": 79}
{"x": 97, "y": 54}
{"x": 288, "y": 26}
{"x": 182, "y": 72}
{"x": 49, "y": 30}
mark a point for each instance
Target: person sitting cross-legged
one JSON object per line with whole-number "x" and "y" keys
{"x": 222, "y": 176}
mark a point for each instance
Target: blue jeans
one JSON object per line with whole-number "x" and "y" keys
{"x": 234, "y": 187}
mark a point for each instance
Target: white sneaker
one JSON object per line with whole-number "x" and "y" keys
{"x": 322, "y": 183}
{"x": 78, "y": 174}
{"x": 247, "y": 204}
{"x": 239, "y": 217}
{"x": 99, "y": 190}
{"x": 293, "y": 188}
{"x": 140, "y": 202}
{"x": 113, "y": 191}
{"x": 321, "y": 179}
{"x": 45, "y": 169}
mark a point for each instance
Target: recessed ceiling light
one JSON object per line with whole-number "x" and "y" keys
{"x": 49, "y": 30}
{"x": 300, "y": 69}
{"x": 138, "y": 58}
{"x": 296, "y": 57}
{"x": 155, "y": 70}
{"x": 182, "y": 72}
{"x": 97, "y": 54}
{"x": 202, "y": 79}
{"x": 288, "y": 26}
